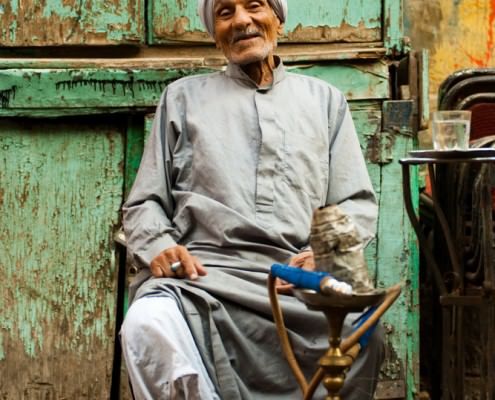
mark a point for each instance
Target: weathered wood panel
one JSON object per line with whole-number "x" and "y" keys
{"x": 92, "y": 90}
{"x": 393, "y": 26}
{"x": 61, "y": 186}
{"x": 367, "y": 119}
{"x": 358, "y": 81}
{"x": 71, "y": 22}
{"x": 42, "y": 92}
{"x": 397, "y": 258}
{"x": 318, "y": 21}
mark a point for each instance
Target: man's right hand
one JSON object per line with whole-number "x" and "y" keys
{"x": 190, "y": 266}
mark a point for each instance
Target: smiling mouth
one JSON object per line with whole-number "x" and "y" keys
{"x": 245, "y": 36}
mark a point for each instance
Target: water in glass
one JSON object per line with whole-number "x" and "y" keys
{"x": 451, "y": 134}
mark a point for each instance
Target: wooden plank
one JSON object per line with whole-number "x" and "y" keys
{"x": 59, "y": 203}
{"x": 393, "y": 27}
{"x": 71, "y": 22}
{"x": 357, "y": 21}
{"x": 359, "y": 81}
{"x": 398, "y": 262}
{"x": 367, "y": 119}
{"x": 91, "y": 90}
{"x": 185, "y": 57}
{"x": 38, "y": 92}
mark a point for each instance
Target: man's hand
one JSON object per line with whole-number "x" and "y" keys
{"x": 304, "y": 260}
{"x": 190, "y": 266}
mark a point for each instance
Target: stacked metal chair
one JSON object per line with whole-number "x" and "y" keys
{"x": 466, "y": 192}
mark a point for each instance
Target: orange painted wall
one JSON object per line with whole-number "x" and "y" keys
{"x": 458, "y": 33}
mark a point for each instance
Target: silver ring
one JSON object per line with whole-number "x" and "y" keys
{"x": 174, "y": 267}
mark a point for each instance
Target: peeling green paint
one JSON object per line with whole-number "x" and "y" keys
{"x": 398, "y": 262}
{"x": 83, "y": 88}
{"x": 360, "y": 81}
{"x": 345, "y": 20}
{"x": 352, "y": 12}
{"x": 367, "y": 119}
{"x": 14, "y": 4}
{"x": 58, "y": 207}
{"x": 32, "y": 90}
{"x": 393, "y": 36}
{"x": 61, "y": 22}
{"x": 56, "y": 7}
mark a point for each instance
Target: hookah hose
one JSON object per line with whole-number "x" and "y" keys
{"x": 349, "y": 346}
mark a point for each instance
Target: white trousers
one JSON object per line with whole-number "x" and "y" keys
{"x": 153, "y": 327}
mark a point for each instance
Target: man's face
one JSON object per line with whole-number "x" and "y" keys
{"x": 246, "y": 30}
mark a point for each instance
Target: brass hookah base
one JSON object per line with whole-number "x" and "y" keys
{"x": 335, "y": 364}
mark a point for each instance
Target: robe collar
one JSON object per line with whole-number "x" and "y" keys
{"x": 234, "y": 71}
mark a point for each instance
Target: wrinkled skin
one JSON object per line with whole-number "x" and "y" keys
{"x": 246, "y": 31}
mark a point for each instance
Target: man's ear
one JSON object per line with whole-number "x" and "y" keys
{"x": 280, "y": 29}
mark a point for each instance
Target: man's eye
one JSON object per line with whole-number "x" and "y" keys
{"x": 223, "y": 12}
{"x": 255, "y": 4}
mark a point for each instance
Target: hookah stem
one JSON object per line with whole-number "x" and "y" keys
{"x": 350, "y": 345}
{"x": 284, "y": 338}
{"x": 392, "y": 293}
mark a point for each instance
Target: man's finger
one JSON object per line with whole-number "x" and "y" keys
{"x": 296, "y": 261}
{"x": 188, "y": 269}
{"x": 200, "y": 269}
{"x": 283, "y": 287}
{"x": 156, "y": 269}
{"x": 309, "y": 264}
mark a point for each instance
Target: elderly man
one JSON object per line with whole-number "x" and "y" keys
{"x": 236, "y": 163}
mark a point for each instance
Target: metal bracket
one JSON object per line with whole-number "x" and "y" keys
{"x": 398, "y": 119}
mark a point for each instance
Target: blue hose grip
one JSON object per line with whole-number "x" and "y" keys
{"x": 299, "y": 277}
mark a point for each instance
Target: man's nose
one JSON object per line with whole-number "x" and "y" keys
{"x": 241, "y": 18}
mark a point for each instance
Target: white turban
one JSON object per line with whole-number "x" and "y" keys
{"x": 207, "y": 15}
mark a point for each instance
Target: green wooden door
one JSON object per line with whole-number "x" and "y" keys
{"x": 72, "y": 127}
{"x": 60, "y": 193}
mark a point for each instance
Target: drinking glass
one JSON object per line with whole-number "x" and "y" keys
{"x": 451, "y": 129}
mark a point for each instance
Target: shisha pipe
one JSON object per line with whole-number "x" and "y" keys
{"x": 335, "y": 245}
{"x": 349, "y": 345}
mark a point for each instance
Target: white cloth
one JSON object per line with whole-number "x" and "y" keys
{"x": 206, "y": 7}
{"x": 172, "y": 362}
